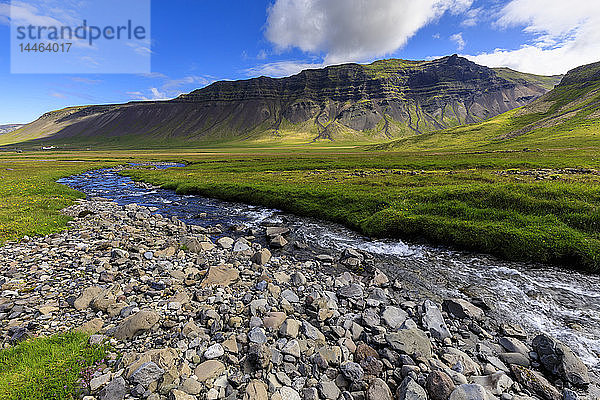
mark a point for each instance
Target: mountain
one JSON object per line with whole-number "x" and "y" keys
{"x": 380, "y": 101}
{"x": 9, "y": 128}
{"x": 567, "y": 116}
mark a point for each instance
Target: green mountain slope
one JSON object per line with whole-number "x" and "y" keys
{"x": 567, "y": 116}
{"x": 346, "y": 103}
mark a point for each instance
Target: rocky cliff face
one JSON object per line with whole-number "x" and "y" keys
{"x": 379, "y": 101}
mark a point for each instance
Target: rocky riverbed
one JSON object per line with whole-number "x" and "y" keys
{"x": 219, "y": 312}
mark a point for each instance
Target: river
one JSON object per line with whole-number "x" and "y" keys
{"x": 561, "y": 302}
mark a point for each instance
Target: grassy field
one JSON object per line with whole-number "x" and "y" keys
{"x": 30, "y": 198}
{"x": 473, "y": 201}
{"x": 56, "y": 367}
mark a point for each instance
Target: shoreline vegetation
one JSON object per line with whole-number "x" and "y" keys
{"x": 540, "y": 206}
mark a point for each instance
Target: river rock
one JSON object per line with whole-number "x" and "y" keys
{"x": 413, "y": 342}
{"x": 463, "y": 309}
{"x": 287, "y": 393}
{"x": 88, "y": 294}
{"x": 513, "y": 345}
{"x": 469, "y": 392}
{"x": 352, "y": 371}
{"x": 394, "y": 317}
{"x": 115, "y": 390}
{"x": 535, "y": 382}
{"x": 410, "y": 390}
{"x": 209, "y": 370}
{"x": 256, "y": 390}
{"x": 146, "y": 374}
{"x": 221, "y": 275}
{"x": 141, "y": 321}
{"x": 379, "y": 390}
{"x": 261, "y": 257}
{"x": 434, "y": 321}
{"x": 439, "y": 385}
{"x": 560, "y": 360}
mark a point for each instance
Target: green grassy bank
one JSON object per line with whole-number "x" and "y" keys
{"x": 472, "y": 201}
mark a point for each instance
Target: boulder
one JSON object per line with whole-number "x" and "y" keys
{"x": 439, "y": 385}
{"x": 413, "y": 342}
{"x": 221, "y": 275}
{"x": 410, "y": 390}
{"x": 261, "y": 257}
{"x": 462, "y": 309}
{"x": 469, "y": 392}
{"x": 379, "y": 390}
{"x": 560, "y": 360}
{"x": 115, "y": 390}
{"x": 209, "y": 370}
{"x": 535, "y": 382}
{"x": 130, "y": 326}
{"x": 434, "y": 321}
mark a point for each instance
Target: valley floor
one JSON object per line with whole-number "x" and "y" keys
{"x": 528, "y": 205}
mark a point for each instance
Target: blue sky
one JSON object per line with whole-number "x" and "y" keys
{"x": 194, "y": 43}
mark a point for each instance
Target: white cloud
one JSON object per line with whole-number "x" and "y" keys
{"x": 170, "y": 88}
{"x": 281, "y": 68}
{"x": 458, "y": 39}
{"x": 565, "y": 34}
{"x": 352, "y": 30}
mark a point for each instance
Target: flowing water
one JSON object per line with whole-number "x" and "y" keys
{"x": 560, "y": 302}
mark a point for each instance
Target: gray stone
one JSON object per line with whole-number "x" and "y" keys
{"x": 513, "y": 345}
{"x": 352, "y": 291}
{"x": 292, "y": 348}
{"x": 379, "y": 390}
{"x": 469, "y": 392}
{"x": 497, "y": 383}
{"x": 394, "y": 317}
{"x": 352, "y": 371}
{"x": 146, "y": 374}
{"x": 130, "y": 326}
{"x": 371, "y": 318}
{"x": 214, "y": 351}
{"x": 290, "y": 296}
{"x": 515, "y": 358}
{"x": 287, "y": 393}
{"x": 413, "y": 342}
{"x": 329, "y": 390}
{"x": 560, "y": 360}
{"x": 257, "y": 335}
{"x": 410, "y": 390}
{"x": 463, "y": 309}
{"x": 434, "y": 321}
{"x": 115, "y": 390}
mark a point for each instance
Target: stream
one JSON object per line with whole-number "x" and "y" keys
{"x": 560, "y": 302}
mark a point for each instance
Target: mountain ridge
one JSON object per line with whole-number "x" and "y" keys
{"x": 375, "y": 102}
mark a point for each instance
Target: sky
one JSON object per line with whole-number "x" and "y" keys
{"x": 196, "y": 42}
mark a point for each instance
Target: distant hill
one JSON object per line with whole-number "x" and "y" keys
{"x": 348, "y": 103}
{"x": 9, "y": 128}
{"x": 567, "y": 116}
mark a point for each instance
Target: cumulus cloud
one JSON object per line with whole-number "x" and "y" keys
{"x": 280, "y": 69}
{"x": 170, "y": 88}
{"x": 564, "y": 35}
{"x": 458, "y": 39}
{"x": 352, "y": 30}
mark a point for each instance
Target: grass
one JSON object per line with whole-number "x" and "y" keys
{"x": 53, "y": 367}
{"x": 463, "y": 200}
{"x": 30, "y": 198}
